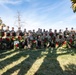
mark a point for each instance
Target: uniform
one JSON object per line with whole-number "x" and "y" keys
{"x": 13, "y": 35}
{"x": 7, "y": 38}
{"x": 66, "y": 34}
{"x": 1, "y": 35}
{"x": 19, "y": 35}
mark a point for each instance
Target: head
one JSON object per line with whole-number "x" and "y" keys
{"x": 43, "y": 30}
{"x": 60, "y": 30}
{"x": 50, "y": 30}
{"x": 33, "y": 30}
{"x": 12, "y": 28}
{"x": 24, "y": 30}
{"x": 1, "y": 27}
{"x": 55, "y": 30}
{"x": 72, "y": 28}
{"x": 19, "y": 28}
{"x": 7, "y": 28}
{"x": 66, "y": 28}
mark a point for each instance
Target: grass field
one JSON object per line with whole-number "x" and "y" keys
{"x": 61, "y": 61}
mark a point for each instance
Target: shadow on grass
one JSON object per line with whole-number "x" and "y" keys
{"x": 50, "y": 65}
{"x": 24, "y": 66}
{"x": 3, "y": 51}
{"x": 70, "y": 69}
{"x": 3, "y": 55}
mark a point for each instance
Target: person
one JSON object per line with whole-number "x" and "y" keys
{"x": 19, "y": 32}
{"x": 72, "y": 33}
{"x": 24, "y": 32}
{"x": 6, "y": 39}
{"x": 1, "y": 31}
{"x": 66, "y": 34}
{"x": 12, "y": 34}
{"x": 30, "y": 39}
{"x": 61, "y": 37}
{"x": 25, "y": 43}
{"x": 19, "y": 36}
{"x": 39, "y": 41}
{"x": 51, "y": 33}
{"x": 71, "y": 38}
{"x": 39, "y": 31}
{"x": 55, "y": 35}
{"x": 7, "y": 31}
{"x": 52, "y": 38}
{"x": 1, "y": 36}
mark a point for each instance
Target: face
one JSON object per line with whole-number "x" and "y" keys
{"x": 55, "y": 31}
{"x": 1, "y": 27}
{"x": 66, "y": 28}
{"x": 50, "y": 30}
{"x": 60, "y": 30}
{"x": 25, "y": 30}
{"x": 12, "y": 28}
{"x": 7, "y": 27}
{"x": 19, "y": 28}
{"x": 71, "y": 28}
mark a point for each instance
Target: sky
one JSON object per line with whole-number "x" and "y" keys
{"x": 44, "y": 14}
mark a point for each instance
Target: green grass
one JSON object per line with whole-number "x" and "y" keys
{"x": 61, "y": 61}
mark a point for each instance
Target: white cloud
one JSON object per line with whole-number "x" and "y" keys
{"x": 40, "y": 17}
{"x": 5, "y": 7}
{"x": 4, "y": 4}
{"x": 10, "y": 2}
{"x": 43, "y": 21}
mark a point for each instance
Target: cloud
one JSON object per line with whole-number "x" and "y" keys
{"x": 13, "y": 2}
{"x": 4, "y": 5}
{"x": 28, "y": 0}
{"x": 41, "y": 14}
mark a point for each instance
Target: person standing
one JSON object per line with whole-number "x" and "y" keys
{"x": 1, "y": 35}
{"x": 72, "y": 32}
{"x": 66, "y": 34}
{"x": 7, "y": 38}
{"x": 12, "y": 34}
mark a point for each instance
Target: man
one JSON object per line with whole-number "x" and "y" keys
{"x": 7, "y": 37}
{"x": 24, "y": 32}
{"x": 7, "y": 31}
{"x": 1, "y": 35}
{"x": 25, "y": 42}
{"x": 61, "y": 38}
{"x": 72, "y": 33}
{"x": 19, "y": 35}
{"x": 71, "y": 38}
{"x": 55, "y": 38}
{"x": 66, "y": 34}
{"x": 1, "y": 31}
{"x": 12, "y": 34}
{"x": 51, "y": 33}
{"x": 52, "y": 38}
{"x": 30, "y": 39}
{"x": 19, "y": 32}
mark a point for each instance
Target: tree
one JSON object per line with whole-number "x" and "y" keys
{"x": 73, "y": 5}
{"x": 18, "y": 22}
{"x": 1, "y": 22}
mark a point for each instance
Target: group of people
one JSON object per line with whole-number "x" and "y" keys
{"x": 35, "y": 39}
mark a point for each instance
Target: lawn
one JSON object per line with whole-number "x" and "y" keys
{"x": 60, "y": 61}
